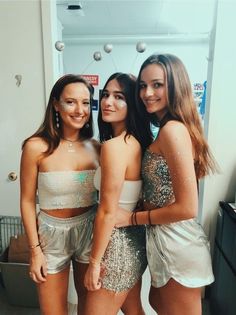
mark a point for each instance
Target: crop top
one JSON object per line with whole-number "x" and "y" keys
{"x": 130, "y": 192}
{"x": 66, "y": 189}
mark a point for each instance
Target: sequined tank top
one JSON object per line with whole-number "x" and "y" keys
{"x": 157, "y": 184}
{"x": 66, "y": 189}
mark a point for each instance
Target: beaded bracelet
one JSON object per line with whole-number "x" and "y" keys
{"x": 34, "y": 246}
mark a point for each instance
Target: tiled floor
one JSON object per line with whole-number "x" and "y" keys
{"x": 6, "y": 309}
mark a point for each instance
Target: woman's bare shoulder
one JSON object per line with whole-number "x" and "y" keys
{"x": 110, "y": 144}
{"x": 172, "y": 130}
{"x": 120, "y": 149}
{"x": 35, "y": 145}
{"x": 120, "y": 142}
{"x": 174, "y": 137}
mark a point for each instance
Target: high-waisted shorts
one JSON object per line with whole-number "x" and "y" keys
{"x": 179, "y": 251}
{"x": 63, "y": 240}
{"x": 125, "y": 260}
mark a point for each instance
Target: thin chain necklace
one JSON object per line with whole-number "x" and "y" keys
{"x": 71, "y": 148}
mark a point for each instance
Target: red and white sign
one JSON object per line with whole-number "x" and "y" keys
{"x": 91, "y": 78}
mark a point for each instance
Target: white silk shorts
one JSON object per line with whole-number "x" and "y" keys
{"x": 179, "y": 251}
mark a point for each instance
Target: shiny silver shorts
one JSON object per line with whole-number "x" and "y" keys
{"x": 65, "y": 239}
{"x": 125, "y": 258}
{"x": 180, "y": 251}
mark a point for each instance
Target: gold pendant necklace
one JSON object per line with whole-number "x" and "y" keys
{"x": 71, "y": 148}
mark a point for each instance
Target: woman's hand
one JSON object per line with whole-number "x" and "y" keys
{"x": 92, "y": 279}
{"x": 123, "y": 218}
{"x": 38, "y": 266}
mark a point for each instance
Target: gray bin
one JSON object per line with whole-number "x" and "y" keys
{"x": 20, "y": 289}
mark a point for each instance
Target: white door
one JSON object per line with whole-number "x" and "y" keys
{"x": 23, "y": 89}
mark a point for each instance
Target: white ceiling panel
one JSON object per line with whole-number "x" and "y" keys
{"x": 132, "y": 17}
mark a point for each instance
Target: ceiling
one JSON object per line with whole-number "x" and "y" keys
{"x": 131, "y": 17}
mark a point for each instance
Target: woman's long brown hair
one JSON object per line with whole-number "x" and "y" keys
{"x": 181, "y": 106}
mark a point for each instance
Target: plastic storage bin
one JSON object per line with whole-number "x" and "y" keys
{"x": 20, "y": 289}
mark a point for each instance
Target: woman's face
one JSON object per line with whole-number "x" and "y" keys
{"x": 153, "y": 90}
{"x": 113, "y": 103}
{"x": 74, "y": 105}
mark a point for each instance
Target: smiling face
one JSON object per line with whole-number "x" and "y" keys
{"x": 113, "y": 103}
{"x": 153, "y": 90}
{"x": 74, "y": 105}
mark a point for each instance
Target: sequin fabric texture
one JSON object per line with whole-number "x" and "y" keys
{"x": 157, "y": 184}
{"x": 125, "y": 259}
{"x": 66, "y": 189}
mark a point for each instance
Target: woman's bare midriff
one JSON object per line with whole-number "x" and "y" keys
{"x": 66, "y": 213}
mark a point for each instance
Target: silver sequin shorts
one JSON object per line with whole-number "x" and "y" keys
{"x": 63, "y": 240}
{"x": 125, "y": 259}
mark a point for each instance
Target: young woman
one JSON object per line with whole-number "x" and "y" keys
{"x": 118, "y": 256}
{"x": 58, "y": 162}
{"x": 177, "y": 248}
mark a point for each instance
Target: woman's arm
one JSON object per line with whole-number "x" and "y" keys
{"x": 28, "y": 184}
{"x": 175, "y": 144}
{"x": 113, "y": 169}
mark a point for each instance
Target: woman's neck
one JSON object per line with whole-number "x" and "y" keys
{"x": 71, "y": 135}
{"x": 118, "y": 129}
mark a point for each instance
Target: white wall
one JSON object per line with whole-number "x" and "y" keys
{"x": 51, "y": 31}
{"x": 124, "y": 57}
{"x": 221, "y": 130}
{"x": 78, "y": 58}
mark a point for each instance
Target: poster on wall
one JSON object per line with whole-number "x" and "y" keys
{"x": 94, "y": 80}
{"x": 199, "y": 93}
{"x": 91, "y": 78}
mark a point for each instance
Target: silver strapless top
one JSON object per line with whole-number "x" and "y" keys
{"x": 66, "y": 189}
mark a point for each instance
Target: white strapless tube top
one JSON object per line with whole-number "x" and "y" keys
{"x": 130, "y": 192}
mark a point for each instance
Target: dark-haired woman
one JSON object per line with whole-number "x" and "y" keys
{"x": 58, "y": 162}
{"x": 118, "y": 256}
{"x": 177, "y": 248}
